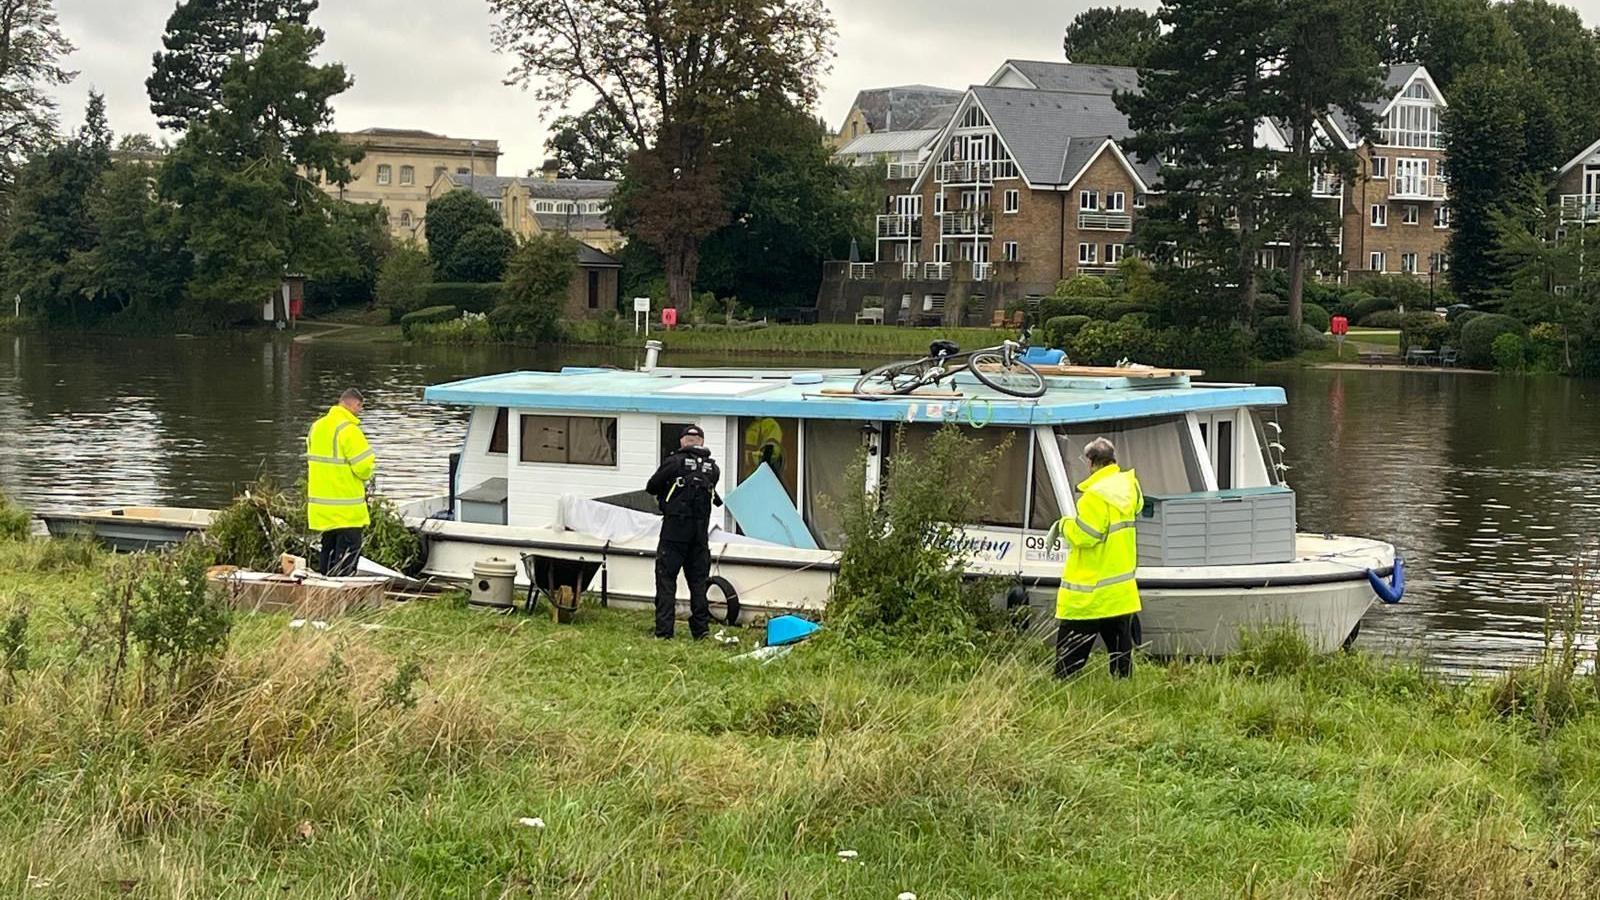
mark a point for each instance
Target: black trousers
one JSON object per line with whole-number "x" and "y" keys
{"x": 1075, "y": 640}
{"x": 693, "y": 558}
{"x": 341, "y": 551}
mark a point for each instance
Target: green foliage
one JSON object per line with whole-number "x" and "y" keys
{"x": 1059, "y": 330}
{"x": 901, "y": 580}
{"x": 1478, "y": 336}
{"x": 542, "y": 269}
{"x": 1367, "y": 304}
{"x": 14, "y": 646}
{"x": 592, "y": 144}
{"x": 1093, "y": 307}
{"x": 428, "y": 315}
{"x": 1082, "y": 286}
{"x": 201, "y": 39}
{"x": 400, "y": 690}
{"x": 387, "y": 541}
{"x": 403, "y": 279}
{"x": 467, "y": 328}
{"x": 1316, "y": 317}
{"x": 1388, "y": 318}
{"x": 138, "y": 263}
{"x": 1309, "y": 338}
{"x": 178, "y": 619}
{"x": 464, "y": 296}
{"x": 1423, "y": 330}
{"x": 479, "y": 256}
{"x": 15, "y": 521}
{"x": 1510, "y": 352}
{"x": 1548, "y": 344}
{"x": 450, "y": 217}
{"x": 359, "y": 244}
{"x": 1111, "y": 36}
{"x": 31, "y": 70}
{"x": 536, "y": 322}
{"x": 1277, "y": 339}
{"x": 259, "y": 526}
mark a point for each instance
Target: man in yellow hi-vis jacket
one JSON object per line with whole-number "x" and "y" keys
{"x": 1098, "y": 594}
{"x": 340, "y": 463}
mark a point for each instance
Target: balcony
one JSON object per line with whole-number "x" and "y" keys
{"x": 1327, "y": 184}
{"x": 1105, "y": 221}
{"x": 860, "y": 271}
{"x": 1096, "y": 269}
{"x": 1580, "y": 207}
{"x": 899, "y": 226}
{"x": 936, "y": 271}
{"x": 966, "y": 223}
{"x": 971, "y": 171}
{"x": 909, "y": 270}
{"x": 1418, "y": 187}
{"x": 981, "y": 270}
{"x": 903, "y": 171}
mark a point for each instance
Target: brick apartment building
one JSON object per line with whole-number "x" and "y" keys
{"x": 1027, "y": 183}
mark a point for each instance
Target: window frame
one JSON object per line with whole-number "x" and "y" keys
{"x": 522, "y": 447}
{"x": 1410, "y": 214}
{"x": 1088, "y": 254}
{"x": 1088, "y": 201}
{"x": 385, "y": 174}
{"x": 1013, "y": 201}
{"x": 1009, "y": 251}
{"x": 1115, "y": 253}
{"x": 501, "y": 430}
{"x": 1380, "y": 167}
{"x": 1380, "y": 258}
{"x": 1378, "y": 217}
{"x": 408, "y": 176}
{"x": 1116, "y": 201}
{"x": 1411, "y": 258}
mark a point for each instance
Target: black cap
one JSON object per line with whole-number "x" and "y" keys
{"x": 694, "y": 430}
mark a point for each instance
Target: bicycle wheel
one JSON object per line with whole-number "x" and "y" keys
{"x": 1016, "y": 378}
{"x": 900, "y": 377}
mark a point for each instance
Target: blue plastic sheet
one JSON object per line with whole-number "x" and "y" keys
{"x": 763, "y": 509}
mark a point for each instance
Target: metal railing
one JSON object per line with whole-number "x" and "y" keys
{"x": 1580, "y": 207}
{"x": 905, "y": 170}
{"x": 899, "y": 226}
{"x": 981, "y": 270}
{"x": 1096, "y": 269}
{"x": 1327, "y": 184}
{"x": 976, "y": 171}
{"x": 909, "y": 270}
{"x": 966, "y": 222}
{"x": 860, "y": 271}
{"x": 1105, "y": 221}
{"x": 1418, "y": 187}
{"x": 936, "y": 271}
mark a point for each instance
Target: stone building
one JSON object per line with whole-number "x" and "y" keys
{"x": 891, "y": 109}
{"x": 545, "y": 204}
{"x": 401, "y": 165}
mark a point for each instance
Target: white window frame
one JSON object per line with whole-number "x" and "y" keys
{"x": 1088, "y": 201}
{"x": 938, "y": 203}
{"x": 1410, "y": 215}
{"x": 1115, "y": 253}
{"x": 1116, "y": 201}
{"x": 1009, "y": 251}
{"x": 1379, "y": 217}
{"x": 1408, "y": 263}
{"x": 1088, "y": 254}
{"x": 408, "y": 176}
{"x": 1441, "y": 216}
{"x": 1138, "y": 200}
{"x": 1013, "y": 200}
{"x": 1377, "y": 261}
{"x": 1380, "y": 167}
{"x": 405, "y": 218}
{"x": 385, "y": 173}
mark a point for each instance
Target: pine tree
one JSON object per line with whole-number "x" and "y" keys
{"x": 31, "y": 51}
{"x": 202, "y": 39}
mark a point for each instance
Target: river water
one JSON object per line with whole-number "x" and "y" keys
{"x": 1490, "y": 485}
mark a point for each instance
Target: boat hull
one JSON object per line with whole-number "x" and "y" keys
{"x": 1197, "y": 611}
{"x": 130, "y": 529}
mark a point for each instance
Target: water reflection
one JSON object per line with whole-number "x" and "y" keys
{"x": 1489, "y": 485}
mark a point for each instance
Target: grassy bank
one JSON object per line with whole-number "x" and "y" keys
{"x": 392, "y": 755}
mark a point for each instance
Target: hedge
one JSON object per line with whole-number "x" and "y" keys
{"x": 1317, "y": 317}
{"x": 427, "y": 316}
{"x": 1388, "y": 318}
{"x": 1424, "y": 331}
{"x": 464, "y": 296}
{"x": 1276, "y": 339}
{"x": 1477, "y": 337}
{"x": 1061, "y": 329}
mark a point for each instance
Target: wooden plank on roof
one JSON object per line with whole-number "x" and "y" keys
{"x": 1117, "y": 372}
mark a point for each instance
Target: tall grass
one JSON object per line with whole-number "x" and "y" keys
{"x": 15, "y": 521}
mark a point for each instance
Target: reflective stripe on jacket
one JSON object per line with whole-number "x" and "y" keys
{"x": 339, "y": 463}
{"x": 1103, "y": 553}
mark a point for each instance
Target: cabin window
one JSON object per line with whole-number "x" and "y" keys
{"x": 1003, "y": 505}
{"x": 569, "y": 440}
{"x": 1045, "y": 509}
{"x": 773, "y": 442}
{"x": 671, "y": 434}
{"x": 1263, "y": 440}
{"x": 833, "y": 447}
{"x": 1158, "y": 448}
{"x": 1216, "y": 433}
{"x": 498, "y": 438}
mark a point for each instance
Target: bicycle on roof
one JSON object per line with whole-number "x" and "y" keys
{"x": 1000, "y": 367}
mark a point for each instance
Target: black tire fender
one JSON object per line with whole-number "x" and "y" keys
{"x": 730, "y": 598}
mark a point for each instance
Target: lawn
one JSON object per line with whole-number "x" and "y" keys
{"x": 408, "y": 753}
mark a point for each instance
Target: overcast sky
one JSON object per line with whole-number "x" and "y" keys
{"x": 428, "y": 63}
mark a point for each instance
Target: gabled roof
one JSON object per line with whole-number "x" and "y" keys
{"x": 889, "y": 142}
{"x": 1592, "y": 150}
{"x": 901, "y": 108}
{"x": 1074, "y": 77}
{"x": 596, "y": 259}
{"x": 1053, "y": 135}
{"x": 1394, "y": 82}
{"x": 492, "y": 186}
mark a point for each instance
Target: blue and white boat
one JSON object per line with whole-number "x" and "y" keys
{"x": 554, "y": 463}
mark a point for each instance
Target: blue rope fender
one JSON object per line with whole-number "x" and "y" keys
{"x": 1395, "y": 588}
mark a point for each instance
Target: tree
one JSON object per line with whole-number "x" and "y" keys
{"x": 449, "y": 217}
{"x": 1327, "y": 63}
{"x": 361, "y": 241}
{"x": 480, "y": 256}
{"x": 244, "y": 175}
{"x": 1111, "y": 36}
{"x": 1448, "y": 36}
{"x": 1539, "y": 254}
{"x": 203, "y": 39}
{"x": 1564, "y": 57}
{"x": 137, "y": 260}
{"x": 537, "y": 280}
{"x": 405, "y": 271}
{"x": 51, "y": 220}
{"x": 31, "y": 49}
{"x": 1204, "y": 89}
{"x": 673, "y": 73}
{"x": 590, "y": 145}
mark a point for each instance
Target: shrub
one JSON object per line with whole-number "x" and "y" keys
{"x": 1546, "y": 347}
{"x": 541, "y": 269}
{"x": 1510, "y": 352}
{"x": 1459, "y": 322}
{"x": 426, "y": 316}
{"x": 1101, "y": 343}
{"x": 536, "y": 321}
{"x": 1203, "y": 348}
{"x": 469, "y": 328}
{"x": 1310, "y": 338}
{"x": 1276, "y": 339}
{"x": 388, "y": 542}
{"x": 1317, "y": 317}
{"x": 260, "y": 525}
{"x": 480, "y": 256}
{"x": 900, "y": 581}
{"x": 1477, "y": 337}
{"x": 1398, "y": 290}
{"x": 1348, "y": 302}
{"x": 1083, "y": 286}
{"x": 1058, "y": 332}
{"x": 1115, "y": 311}
{"x": 1053, "y": 307}
{"x": 1371, "y": 305}
{"x": 1423, "y": 330}
{"x": 402, "y": 280}
{"x": 15, "y": 521}
{"x": 450, "y": 216}
{"x": 1388, "y": 318}
{"x": 464, "y": 296}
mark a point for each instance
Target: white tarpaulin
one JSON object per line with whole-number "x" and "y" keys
{"x": 619, "y": 524}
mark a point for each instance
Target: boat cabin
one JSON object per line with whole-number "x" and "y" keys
{"x": 535, "y": 438}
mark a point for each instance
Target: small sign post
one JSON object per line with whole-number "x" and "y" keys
{"x": 641, "y": 315}
{"x": 1340, "y": 326}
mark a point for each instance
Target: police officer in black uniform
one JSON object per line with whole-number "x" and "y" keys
{"x": 685, "y": 487}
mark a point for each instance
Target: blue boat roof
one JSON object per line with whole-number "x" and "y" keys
{"x": 826, "y": 395}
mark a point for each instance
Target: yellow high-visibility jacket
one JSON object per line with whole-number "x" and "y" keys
{"x": 1103, "y": 553}
{"x": 339, "y": 464}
